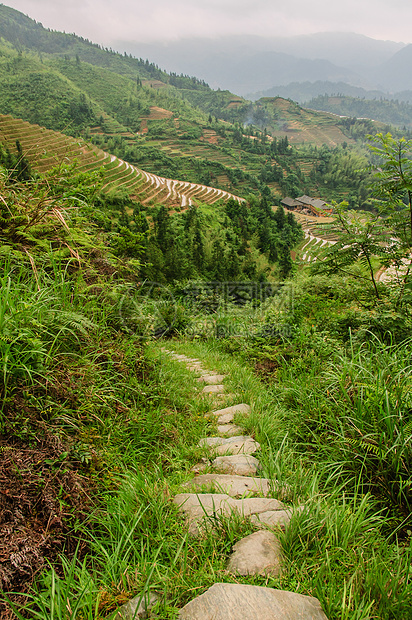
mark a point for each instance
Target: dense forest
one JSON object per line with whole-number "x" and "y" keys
{"x": 393, "y": 112}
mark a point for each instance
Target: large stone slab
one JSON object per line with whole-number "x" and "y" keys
{"x": 214, "y": 389}
{"x": 239, "y": 444}
{"x": 212, "y": 379}
{"x": 220, "y": 441}
{"x": 240, "y": 408}
{"x": 259, "y": 553}
{"x": 137, "y": 607}
{"x": 227, "y": 418}
{"x": 229, "y": 430}
{"x": 201, "y": 508}
{"x": 272, "y": 518}
{"x": 237, "y": 464}
{"x": 228, "y": 601}
{"x": 235, "y": 486}
{"x": 250, "y": 446}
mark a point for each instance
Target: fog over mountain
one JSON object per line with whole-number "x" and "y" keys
{"x": 395, "y": 73}
{"x": 107, "y": 21}
{"x": 236, "y": 44}
{"x": 245, "y": 64}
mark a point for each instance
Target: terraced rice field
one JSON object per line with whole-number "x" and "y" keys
{"x": 46, "y": 149}
{"x": 157, "y": 114}
{"x": 317, "y": 237}
{"x": 210, "y": 136}
{"x": 299, "y": 134}
{"x": 311, "y": 246}
{"x": 302, "y": 125}
{"x": 200, "y": 151}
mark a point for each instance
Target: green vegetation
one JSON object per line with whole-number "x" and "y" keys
{"x": 386, "y": 233}
{"x": 102, "y": 264}
{"x": 104, "y": 429}
{"x": 175, "y": 126}
{"x": 393, "y": 112}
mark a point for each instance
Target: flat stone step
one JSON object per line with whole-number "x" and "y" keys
{"x": 272, "y": 518}
{"x": 259, "y": 553}
{"x": 232, "y": 485}
{"x": 249, "y": 446}
{"x": 137, "y": 607}
{"x": 214, "y": 389}
{"x": 200, "y": 507}
{"x": 237, "y": 464}
{"x": 240, "y": 408}
{"x": 217, "y": 441}
{"x": 230, "y": 430}
{"x": 211, "y": 379}
{"x": 227, "y": 418}
{"x": 229, "y": 601}
{"x": 239, "y": 444}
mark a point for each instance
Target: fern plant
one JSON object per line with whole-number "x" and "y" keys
{"x": 374, "y": 427}
{"x": 35, "y": 321}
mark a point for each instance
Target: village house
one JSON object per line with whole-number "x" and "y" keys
{"x": 306, "y": 204}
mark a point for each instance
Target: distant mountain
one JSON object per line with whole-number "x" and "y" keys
{"x": 245, "y": 64}
{"x": 302, "y": 92}
{"x": 267, "y": 68}
{"x": 386, "y": 111}
{"x": 395, "y": 74}
{"x": 345, "y": 49}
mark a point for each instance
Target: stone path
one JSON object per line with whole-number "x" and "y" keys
{"x": 231, "y": 486}
{"x": 229, "y": 601}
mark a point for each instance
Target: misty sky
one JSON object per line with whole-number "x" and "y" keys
{"x": 107, "y": 21}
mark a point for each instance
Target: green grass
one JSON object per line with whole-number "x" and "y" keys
{"x": 340, "y": 518}
{"x": 81, "y": 366}
{"x": 134, "y": 418}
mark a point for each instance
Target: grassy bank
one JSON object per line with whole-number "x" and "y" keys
{"x": 99, "y": 428}
{"x": 128, "y": 421}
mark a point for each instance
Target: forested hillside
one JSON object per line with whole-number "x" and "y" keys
{"x": 393, "y": 112}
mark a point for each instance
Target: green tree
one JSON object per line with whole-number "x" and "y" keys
{"x": 361, "y": 237}
{"x": 386, "y": 233}
{"x": 392, "y": 189}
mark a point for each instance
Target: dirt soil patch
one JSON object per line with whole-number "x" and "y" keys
{"x": 159, "y": 114}
{"x": 42, "y": 497}
{"x": 210, "y": 136}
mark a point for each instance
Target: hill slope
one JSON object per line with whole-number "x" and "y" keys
{"x": 173, "y": 127}
{"x": 237, "y": 62}
{"x": 46, "y": 149}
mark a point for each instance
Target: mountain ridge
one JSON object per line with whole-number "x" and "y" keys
{"x": 207, "y": 57}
